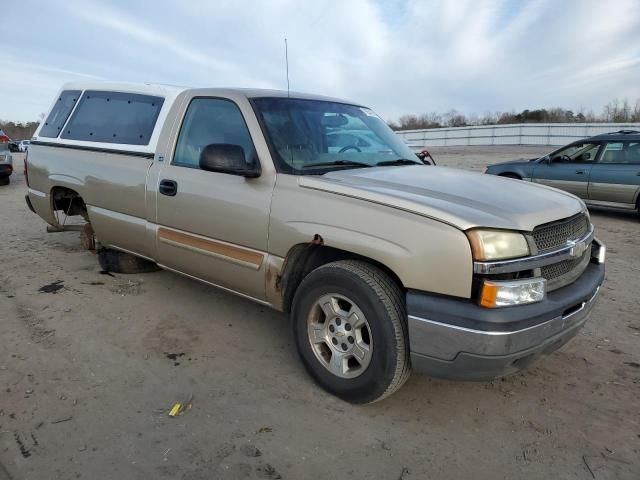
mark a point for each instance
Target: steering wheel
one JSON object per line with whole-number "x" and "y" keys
{"x": 349, "y": 147}
{"x": 566, "y": 158}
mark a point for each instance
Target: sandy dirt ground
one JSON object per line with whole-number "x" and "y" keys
{"x": 90, "y": 365}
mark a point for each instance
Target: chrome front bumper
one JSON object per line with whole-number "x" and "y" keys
{"x": 457, "y": 339}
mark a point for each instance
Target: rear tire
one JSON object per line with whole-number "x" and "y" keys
{"x": 363, "y": 363}
{"x": 120, "y": 262}
{"x": 4, "y": 181}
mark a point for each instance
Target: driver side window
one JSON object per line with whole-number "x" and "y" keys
{"x": 577, "y": 153}
{"x": 211, "y": 121}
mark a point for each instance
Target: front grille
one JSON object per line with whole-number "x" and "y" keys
{"x": 563, "y": 273}
{"x": 555, "y": 234}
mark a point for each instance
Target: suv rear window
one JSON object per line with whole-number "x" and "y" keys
{"x": 59, "y": 113}
{"x": 114, "y": 117}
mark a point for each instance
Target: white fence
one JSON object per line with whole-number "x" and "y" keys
{"x": 515, "y": 134}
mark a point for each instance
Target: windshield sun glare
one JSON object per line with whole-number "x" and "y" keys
{"x": 311, "y": 135}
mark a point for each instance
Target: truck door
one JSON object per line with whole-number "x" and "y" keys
{"x": 568, "y": 169}
{"x": 209, "y": 225}
{"x": 615, "y": 178}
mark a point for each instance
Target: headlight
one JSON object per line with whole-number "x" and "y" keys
{"x": 497, "y": 244}
{"x": 517, "y": 292}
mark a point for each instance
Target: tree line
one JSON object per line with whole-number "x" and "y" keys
{"x": 615, "y": 111}
{"x": 17, "y": 130}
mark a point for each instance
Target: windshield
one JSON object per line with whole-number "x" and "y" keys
{"x": 577, "y": 152}
{"x": 313, "y": 136}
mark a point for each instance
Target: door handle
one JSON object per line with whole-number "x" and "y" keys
{"x": 580, "y": 172}
{"x": 168, "y": 188}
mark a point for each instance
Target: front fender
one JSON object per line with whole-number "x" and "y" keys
{"x": 423, "y": 253}
{"x": 523, "y": 170}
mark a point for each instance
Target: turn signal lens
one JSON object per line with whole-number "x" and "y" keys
{"x": 517, "y": 292}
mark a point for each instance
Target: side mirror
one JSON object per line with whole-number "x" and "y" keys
{"x": 227, "y": 158}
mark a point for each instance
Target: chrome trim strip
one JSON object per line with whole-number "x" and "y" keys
{"x": 534, "y": 261}
{"x": 37, "y": 193}
{"x": 583, "y": 305}
{"x": 481, "y": 332}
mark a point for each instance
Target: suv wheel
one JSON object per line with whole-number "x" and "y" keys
{"x": 121, "y": 262}
{"x": 349, "y": 325}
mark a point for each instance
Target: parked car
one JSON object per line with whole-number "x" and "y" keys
{"x": 23, "y": 145}
{"x": 6, "y": 163}
{"x": 603, "y": 170}
{"x": 13, "y": 146}
{"x": 383, "y": 264}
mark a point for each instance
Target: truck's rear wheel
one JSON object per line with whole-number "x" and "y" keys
{"x": 120, "y": 262}
{"x": 349, "y": 325}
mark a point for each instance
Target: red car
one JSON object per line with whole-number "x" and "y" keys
{"x": 6, "y": 162}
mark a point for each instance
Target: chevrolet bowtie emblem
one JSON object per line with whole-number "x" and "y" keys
{"x": 339, "y": 334}
{"x": 577, "y": 248}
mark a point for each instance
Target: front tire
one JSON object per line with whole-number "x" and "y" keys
{"x": 350, "y": 329}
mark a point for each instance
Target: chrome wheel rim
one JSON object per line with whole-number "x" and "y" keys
{"x": 340, "y": 336}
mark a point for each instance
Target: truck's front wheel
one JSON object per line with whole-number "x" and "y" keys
{"x": 350, "y": 328}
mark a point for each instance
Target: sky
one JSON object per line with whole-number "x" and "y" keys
{"x": 396, "y": 56}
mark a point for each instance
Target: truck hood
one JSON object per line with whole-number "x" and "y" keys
{"x": 457, "y": 197}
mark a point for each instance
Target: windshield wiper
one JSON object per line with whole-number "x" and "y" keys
{"x": 337, "y": 163}
{"x": 398, "y": 161}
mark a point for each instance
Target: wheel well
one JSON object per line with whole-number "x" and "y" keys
{"x": 68, "y": 201}
{"x": 302, "y": 259}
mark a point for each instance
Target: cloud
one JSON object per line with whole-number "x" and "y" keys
{"x": 399, "y": 56}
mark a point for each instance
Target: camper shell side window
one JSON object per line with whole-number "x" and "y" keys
{"x": 114, "y": 117}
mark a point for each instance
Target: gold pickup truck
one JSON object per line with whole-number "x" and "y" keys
{"x": 313, "y": 206}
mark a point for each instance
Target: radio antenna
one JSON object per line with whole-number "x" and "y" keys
{"x": 286, "y": 60}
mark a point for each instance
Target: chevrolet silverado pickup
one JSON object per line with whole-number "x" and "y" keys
{"x": 311, "y": 205}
